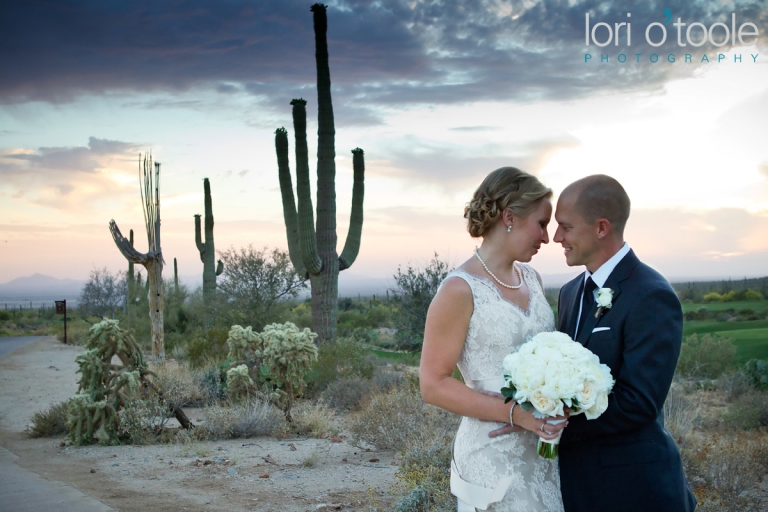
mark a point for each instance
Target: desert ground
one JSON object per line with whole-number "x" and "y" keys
{"x": 264, "y": 474}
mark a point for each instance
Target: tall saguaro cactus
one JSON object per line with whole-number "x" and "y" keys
{"x": 152, "y": 260}
{"x": 312, "y": 247}
{"x": 208, "y": 255}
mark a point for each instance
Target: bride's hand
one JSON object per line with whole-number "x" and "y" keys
{"x": 538, "y": 426}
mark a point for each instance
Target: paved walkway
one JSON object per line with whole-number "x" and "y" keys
{"x": 22, "y": 490}
{"x": 8, "y": 345}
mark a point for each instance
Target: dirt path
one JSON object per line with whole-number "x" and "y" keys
{"x": 317, "y": 472}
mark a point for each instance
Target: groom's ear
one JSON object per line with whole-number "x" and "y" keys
{"x": 603, "y": 228}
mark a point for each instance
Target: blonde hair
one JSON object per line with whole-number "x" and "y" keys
{"x": 507, "y": 188}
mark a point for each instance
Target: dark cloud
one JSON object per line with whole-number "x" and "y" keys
{"x": 68, "y": 159}
{"x": 397, "y": 52}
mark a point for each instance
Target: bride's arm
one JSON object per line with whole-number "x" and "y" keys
{"x": 444, "y": 334}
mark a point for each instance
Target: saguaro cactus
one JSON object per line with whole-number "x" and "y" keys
{"x": 208, "y": 255}
{"x": 152, "y": 260}
{"x": 312, "y": 248}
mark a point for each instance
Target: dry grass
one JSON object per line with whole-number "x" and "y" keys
{"x": 399, "y": 417}
{"x": 313, "y": 419}
{"x": 681, "y": 413}
{"x": 181, "y": 384}
{"x": 251, "y": 419}
{"x": 49, "y": 423}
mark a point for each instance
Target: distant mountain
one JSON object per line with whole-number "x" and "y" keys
{"x": 39, "y": 286}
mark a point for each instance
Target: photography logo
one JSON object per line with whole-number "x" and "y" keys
{"x": 689, "y": 37}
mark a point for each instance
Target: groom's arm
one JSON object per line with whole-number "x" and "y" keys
{"x": 652, "y": 338}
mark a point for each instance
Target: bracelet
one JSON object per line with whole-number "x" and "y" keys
{"x": 511, "y": 410}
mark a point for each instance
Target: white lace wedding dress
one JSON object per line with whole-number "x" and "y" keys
{"x": 504, "y": 474}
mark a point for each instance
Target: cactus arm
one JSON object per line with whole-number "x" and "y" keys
{"x": 306, "y": 224}
{"x": 198, "y": 238}
{"x": 289, "y": 206}
{"x": 326, "y": 152}
{"x": 352, "y": 245}
{"x": 124, "y": 245}
{"x": 219, "y": 268}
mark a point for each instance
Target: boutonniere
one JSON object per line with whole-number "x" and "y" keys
{"x": 603, "y": 299}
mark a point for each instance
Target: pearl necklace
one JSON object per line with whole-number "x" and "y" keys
{"x": 505, "y": 285}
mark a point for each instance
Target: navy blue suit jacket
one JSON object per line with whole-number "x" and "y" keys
{"x": 625, "y": 460}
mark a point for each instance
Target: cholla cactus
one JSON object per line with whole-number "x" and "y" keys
{"x": 104, "y": 388}
{"x": 244, "y": 344}
{"x": 288, "y": 352}
{"x": 239, "y": 382}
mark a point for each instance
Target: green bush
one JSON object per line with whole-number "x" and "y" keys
{"x": 206, "y": 346}
{"x": 756, "y": 371}
{"x": 708, "y": 356}
{"x": 49, "y": 423}
{"x": 749, "y": 411}
{"x": 344, "y": 358}
{"x": 77, "y": 331}
{"x": 713, "y": 297}
{"x": 753, "y": 295}
{"x": 4, "y": 316}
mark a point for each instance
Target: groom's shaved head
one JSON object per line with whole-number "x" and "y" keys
{"x": 600, "y": 197}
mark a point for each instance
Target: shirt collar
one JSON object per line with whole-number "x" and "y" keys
{"x": 601, "y": 275}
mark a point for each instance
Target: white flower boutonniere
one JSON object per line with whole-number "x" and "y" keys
{"x": 603, "y": 299}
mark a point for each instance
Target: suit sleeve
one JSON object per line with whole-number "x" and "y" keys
{"x": 652, "y": 337}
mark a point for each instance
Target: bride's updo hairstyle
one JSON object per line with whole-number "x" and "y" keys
{"x": 507, "y": 188}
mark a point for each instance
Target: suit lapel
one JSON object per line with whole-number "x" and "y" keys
{"x": 622, "y": 271}
{"x": 570, "y": 312}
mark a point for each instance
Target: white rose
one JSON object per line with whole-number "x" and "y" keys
{"x": 601, "y": 404}
{"x": 546, "y": 406}
{"x": 564, "y": 379}
{"x": 604, "y": 297}
{"x": 510, "y": 363}
{"x": 586, "y": 397}
{"x": 547, "y": 354}
{"x": 529, "y": 373}
{"x": 576, "y": 352}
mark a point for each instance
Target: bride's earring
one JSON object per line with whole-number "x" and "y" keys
{"x": 509, "y": 229}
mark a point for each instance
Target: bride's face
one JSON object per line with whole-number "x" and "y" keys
{"x": 530, "y": 232}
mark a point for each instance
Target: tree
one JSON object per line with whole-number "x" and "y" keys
{"x": 255, "y": 284}
{"x": 312, "y": 247}
{"x": 103, "y": 293}
{"x": 413, "y": 293}
{"x": 152, "y": 260}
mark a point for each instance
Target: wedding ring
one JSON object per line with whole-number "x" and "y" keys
{"x": 542, "y": 428}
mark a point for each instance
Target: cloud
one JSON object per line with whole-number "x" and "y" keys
{"x": 396, "y": 53}
{"x": 69, "y": 178}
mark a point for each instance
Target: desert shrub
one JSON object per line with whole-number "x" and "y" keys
{"x": 181, "y": 384}
{"x": 425, "y": 476}
{"x": 706, "y": 356}
{"x": 349, "y": 394}
{"x": 205, "y": 346}
{"x": 213, "y": 380}
{"x": 713, "y": 297}
{"x": 253, "y": 418}
{"x": 753, "y": 295}
{"x": 756, "y": 371}
{"x": 398, "y": 418}
{"x": 104, "y": 293}
{"x": 239, "y": 383}
{"x": 143, "y": 419}
{"x": 734, "y": 383}
{"x": 414, "y": 290}
{"x": 343, "y": 358}
{"x": 728, "y": 469}
{"x": 50, "y": 422}
{"x": 748, "y": 411}
{"x": 4, "y": 316}
{"x": 680, "y": 415}
{"x": 313, "y": 419}
{"x": 77, "y": 331}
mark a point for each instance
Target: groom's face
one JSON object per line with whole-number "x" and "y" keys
{"x": 578, "y": 238}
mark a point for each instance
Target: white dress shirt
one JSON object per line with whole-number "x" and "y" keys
{"x": 601, "y": 275}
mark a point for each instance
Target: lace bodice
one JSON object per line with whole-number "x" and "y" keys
{"x": 504, "y": 474}
{"x": 498, "y": 326}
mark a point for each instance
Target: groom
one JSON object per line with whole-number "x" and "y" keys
{"x": 625, "y": 460}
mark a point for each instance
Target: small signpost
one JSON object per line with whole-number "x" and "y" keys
{"x": 61, "y": 309}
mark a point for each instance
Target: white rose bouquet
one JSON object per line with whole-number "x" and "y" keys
{"x": 552, "y": 371}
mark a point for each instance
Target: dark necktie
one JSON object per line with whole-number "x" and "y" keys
{"x": 587, "y": 300}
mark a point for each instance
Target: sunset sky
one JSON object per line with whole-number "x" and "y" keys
{"x": 438, "y": 94}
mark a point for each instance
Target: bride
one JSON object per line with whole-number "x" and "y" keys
{"x": 483, "y": 311}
